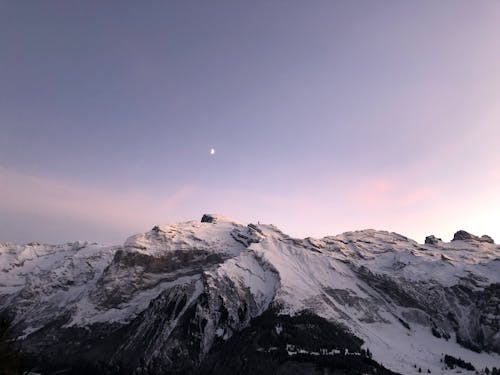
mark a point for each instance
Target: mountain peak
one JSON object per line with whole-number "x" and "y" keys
{"x": 179, "y": 291}
{"x": 216, "y": 218}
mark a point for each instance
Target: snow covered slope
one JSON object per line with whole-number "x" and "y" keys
{"x": 164, "y": 299}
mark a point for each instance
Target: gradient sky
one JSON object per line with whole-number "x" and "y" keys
{"x": 326, "y": 116}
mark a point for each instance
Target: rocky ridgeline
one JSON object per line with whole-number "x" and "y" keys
{"x": 185, "y": 298}
{"x": 461, "y": 235}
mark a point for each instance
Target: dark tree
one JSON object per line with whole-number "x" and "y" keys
{"x": 10, "y": 359}
{"x": 452, "y": 362}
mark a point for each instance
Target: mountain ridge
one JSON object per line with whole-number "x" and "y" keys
{"x": 166, "y": 297}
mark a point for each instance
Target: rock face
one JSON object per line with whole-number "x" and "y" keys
{"x": 432, "y": 240}
{"x": 185, "y": 298}
{"x": 207, "y": 218}
{"x": 462, "y": 235}
{"x": 486, "y": 238}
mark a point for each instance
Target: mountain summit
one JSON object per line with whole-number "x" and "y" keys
{"x": 220, "y": 296}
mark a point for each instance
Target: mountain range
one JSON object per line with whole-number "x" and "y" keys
{"x": 218, "y": 296}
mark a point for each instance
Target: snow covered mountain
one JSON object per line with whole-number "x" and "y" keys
{"x": 219, "y": 296}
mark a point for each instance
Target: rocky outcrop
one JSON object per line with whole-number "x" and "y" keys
{"x": 207, "y": 218}
{"x": 486, "y": 238}
{"x": 462, "y": 235}
{"x": 432, "y": 240}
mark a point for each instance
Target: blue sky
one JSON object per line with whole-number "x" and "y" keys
{"x": 325, "y": 116}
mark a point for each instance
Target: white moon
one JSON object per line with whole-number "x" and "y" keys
{"x": 212, "y": 151}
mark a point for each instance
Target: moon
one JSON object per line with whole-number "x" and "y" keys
{"x": 212, "y": 151}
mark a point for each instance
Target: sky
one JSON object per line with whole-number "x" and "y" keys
{"x": 325, "y": 116}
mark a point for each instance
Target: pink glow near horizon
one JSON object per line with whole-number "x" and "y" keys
{"x": 384, "y": 204}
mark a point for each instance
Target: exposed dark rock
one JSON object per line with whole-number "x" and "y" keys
{"x": 432, "y": 240}
{"x": 390, "y": 288}
{"x": 486, "y": 238}
{"x": 207, "y": 218}
{"x": 438, "y": 331}
{"x": 462, "y": 235}
{"x": 405, "y": 324}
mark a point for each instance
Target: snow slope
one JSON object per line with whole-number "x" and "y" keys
{"x": 180, "y": 288}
